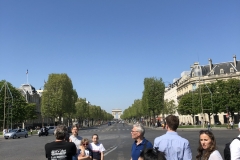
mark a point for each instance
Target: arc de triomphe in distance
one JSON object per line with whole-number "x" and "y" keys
{"x": 117, "y": 113}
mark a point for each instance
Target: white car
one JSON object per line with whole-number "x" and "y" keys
{"x": 51, "y": 129}
{"x": 14, "y": 133}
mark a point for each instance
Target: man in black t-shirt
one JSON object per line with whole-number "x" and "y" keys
{"x": 60, "y": 149}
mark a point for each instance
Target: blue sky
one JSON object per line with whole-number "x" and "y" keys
{"x": 108, "y": 47}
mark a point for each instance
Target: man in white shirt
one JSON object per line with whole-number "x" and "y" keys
{"x": 235, "y": 147}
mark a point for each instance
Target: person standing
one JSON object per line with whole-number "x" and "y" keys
{"x": 209, "y": 126}
{"x": 140, "y": 142}
{"x": 85, "y": 153}
{"x": 31, "y": 131}
{"x": 231, "y": 124}
{"x": 97, "y": 148}
{"x": 60, "y": 149}
{"x": 207, "y": 147}
{"x": 76, "y": 140}
{"x": 4, "y": 131}
{"x": 174, "y": 146}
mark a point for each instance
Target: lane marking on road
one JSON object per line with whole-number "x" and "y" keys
{"x": 110, "y": 150}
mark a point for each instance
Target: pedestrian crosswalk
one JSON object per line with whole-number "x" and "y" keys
{"x": 104, "y": 130}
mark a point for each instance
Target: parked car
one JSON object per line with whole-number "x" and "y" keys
{"x": 109, "y": 123}
{"x": 14, "y": 133}
{"x": 51, "y": 129}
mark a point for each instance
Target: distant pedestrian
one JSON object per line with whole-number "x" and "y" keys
{"x": 174, "y": 146}
{"x": 4, "y": 131}
{"x": 97, "y": 148}
{"x": 239, "y": 126}
{"x": 207, "y": 147}
{"x": 31, "y": 131}
{"x": 209, "y": 126}
{"x": 231, "y": 124}
{"x": 140, "y": 143}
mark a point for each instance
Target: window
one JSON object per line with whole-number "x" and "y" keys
{"x": 193, "y": 74}
{"x": 231, "y": 70}
{"x": 221, "y": 71}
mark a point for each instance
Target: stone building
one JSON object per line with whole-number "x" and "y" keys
{"x": 204, "y": 74}
{"x": 32, "y": 96}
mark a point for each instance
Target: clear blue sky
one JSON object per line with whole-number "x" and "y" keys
{"x": 108, "y": 47}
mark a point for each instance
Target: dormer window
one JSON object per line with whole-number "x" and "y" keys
{"x": 221, "y": 71}
{"x": 231, "y": 70}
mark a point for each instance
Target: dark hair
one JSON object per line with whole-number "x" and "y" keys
{"x": 152, "y": 154}
{"x": 60, "y": 132}
{"x": 209, "y": 150}
{"x": 172, "y": 122}
{"x": 95, "y": 135}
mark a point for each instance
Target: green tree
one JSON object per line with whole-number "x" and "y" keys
{"x": 189, "y": 104}
{"x": 58, "y": 96}
{"x": 169, "y": 107}
{"x": 81, "y": 110}
{"x": 72, "y": 107}
{"x": 153, "y": 95}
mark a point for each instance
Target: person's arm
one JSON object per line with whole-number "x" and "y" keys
{"x": 82, "y": 153}
{"x": 187, "y": 155}
{"x": 102, "y": 156}
{"x": 84, "y": 158}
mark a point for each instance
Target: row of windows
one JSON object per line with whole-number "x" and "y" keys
{"x": 221, "y": 72}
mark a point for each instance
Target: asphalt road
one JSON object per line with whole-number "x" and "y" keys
{"x": 116, "y": 140}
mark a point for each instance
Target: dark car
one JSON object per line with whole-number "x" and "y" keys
{"x": 109, "y": 123}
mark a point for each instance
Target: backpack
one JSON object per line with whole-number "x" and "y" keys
{"x": 226, "y": 151}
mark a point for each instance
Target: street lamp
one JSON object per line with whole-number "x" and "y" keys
{"x": 211, "y": 102}
{"x": 88, "y": 113}
{"x": 198, "y": 73}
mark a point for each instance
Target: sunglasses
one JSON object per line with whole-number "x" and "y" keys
{"x": 85, "y": 144}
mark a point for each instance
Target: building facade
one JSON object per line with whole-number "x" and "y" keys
{"x": 33, "y": 96}
{"x": 202, "y": 75}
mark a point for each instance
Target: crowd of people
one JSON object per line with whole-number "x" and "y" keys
{"x": 169, "y": 146}
{"x": 73, "y": 147}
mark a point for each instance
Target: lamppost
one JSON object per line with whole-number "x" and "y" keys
{"x": 88, "y": 103}
{"x": 166, "y": 88}
{"x": 198, "y": 73}
{"x": 211, "y": 103}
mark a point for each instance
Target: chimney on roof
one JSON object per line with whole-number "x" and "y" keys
{"x": 234, "y": 61}
{"x": 210, "y": 64}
